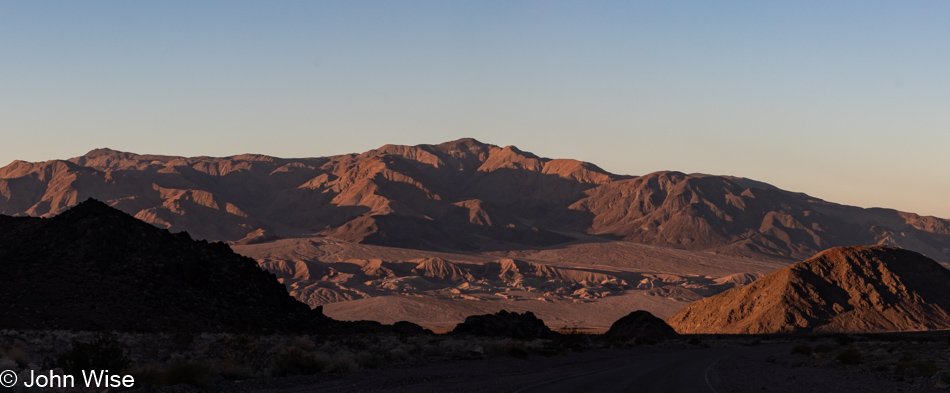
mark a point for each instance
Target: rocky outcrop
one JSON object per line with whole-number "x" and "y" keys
{"x": 504, "y": 324}
{"x": 640, "y": 327}
{"x": 848, "y": 289}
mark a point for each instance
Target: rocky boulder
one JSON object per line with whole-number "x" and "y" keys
{"x": 640, "y": 327}
{"x": 504, "y": 324}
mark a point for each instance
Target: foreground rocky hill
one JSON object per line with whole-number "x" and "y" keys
{"x": 850, "y": 289}
{"x": 459, "y": 195}
{"x": 96, "y": 268}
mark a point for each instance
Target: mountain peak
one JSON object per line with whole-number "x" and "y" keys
{"x": 464, "y": 146}
{"x": 463, "y": 142}
{"x": 102, "y": 151}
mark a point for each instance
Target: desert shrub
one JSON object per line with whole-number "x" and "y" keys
{"x": 909, "y": 371}
{"x": 850, "y": 356}
{"x": 927, "y": 367}
{"x": 183, "y": 339}
{"x": 824, "y": 348}
{"x": 942, "y": 379}
{"x": 399, "y": 353}
{"x": 912, "y": 368}
{"x": 244, "y": 350}
{"x": 342, "y": 364}
{"x": 234, "y": 370}
{"x": 304, "y": 343}
{"x": 431, "y": 350}
{"x": 150, "y": 375}
{"x": 293, "y": 361}
{"x": 516, "y": 349}
{"x": 102, "y": 353}
{"x": 575, "y": 342}
{"x": 803, "y": 349}
{"x": 365, "y": 359}
{"x": 906, "y": 357}
{"x": 185, "y": 372}
{"x": 544, "y": 348}
{"x": 18, "y": 356}
{"x": 356, "y": 342}
{"x": 452, "y": 348}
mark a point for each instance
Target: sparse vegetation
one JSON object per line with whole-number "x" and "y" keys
{"x": 191, "y": 373}
{"x": 801, "y": 349}
{"x": 911, "y": 367}
{"x": 918, "y": 361}
{"x": 211, "y": 359}
{"x": 850, "y": 356}
{"x": 942, "y": 379}
{"x": 201, "y": 360}
{"x": 103, "y": 352}
{"x": 294, "y": 361}
{"x": 516, "y": 349}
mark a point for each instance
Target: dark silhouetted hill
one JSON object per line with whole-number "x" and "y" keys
{"x": 96, "y": 268}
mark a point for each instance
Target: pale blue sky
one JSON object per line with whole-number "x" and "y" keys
{"x": 848, "y": 101}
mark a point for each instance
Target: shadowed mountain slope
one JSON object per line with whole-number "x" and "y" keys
{"x": 849, "y": 289}
{"x": 96, "y": 268}
{"x": 458, "y": 195}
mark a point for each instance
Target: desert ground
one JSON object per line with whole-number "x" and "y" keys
{"x": 584, "y": 285}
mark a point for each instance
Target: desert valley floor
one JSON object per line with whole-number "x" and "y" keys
{"x": 583, "y": 285}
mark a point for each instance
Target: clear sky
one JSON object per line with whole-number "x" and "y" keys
{"x": 848, "y": 101}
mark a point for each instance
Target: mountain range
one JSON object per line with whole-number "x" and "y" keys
{"x": 462, "y": 195}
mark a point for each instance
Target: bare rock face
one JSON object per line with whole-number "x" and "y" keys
{"x": 640, "y": 327}
{"x": 504, "y": 324}
{"x": 458, "y": 195}
{"x": 847, "y": 289}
